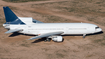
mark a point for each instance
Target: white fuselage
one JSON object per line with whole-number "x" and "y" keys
{"x": 28, "y": 25}
{"x": 67, "y": 28}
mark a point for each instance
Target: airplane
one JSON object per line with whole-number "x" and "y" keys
{"x": 54, "y": 31}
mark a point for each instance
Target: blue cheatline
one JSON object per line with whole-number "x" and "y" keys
{"x": 10, "y": 17}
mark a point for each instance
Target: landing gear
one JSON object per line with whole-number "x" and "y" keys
{"x": 84, "y": 35}
{"x": 45, "y": 40}
{"x": 48, "y": 39}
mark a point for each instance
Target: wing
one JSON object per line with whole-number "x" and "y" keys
{"x": 15, "y": 30}
{"x": 46, "y": 35}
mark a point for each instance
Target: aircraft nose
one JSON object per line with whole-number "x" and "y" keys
{"x": 99, "y": 29}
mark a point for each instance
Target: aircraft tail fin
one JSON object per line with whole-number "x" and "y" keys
{"x": 10, "y": 17}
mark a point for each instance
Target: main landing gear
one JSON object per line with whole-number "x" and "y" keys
{"x": 48, "y": 39}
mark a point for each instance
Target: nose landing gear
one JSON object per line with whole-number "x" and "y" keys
{"x": 84, "y": 35}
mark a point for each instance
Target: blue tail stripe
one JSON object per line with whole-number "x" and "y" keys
{"x": 11, "y": 18}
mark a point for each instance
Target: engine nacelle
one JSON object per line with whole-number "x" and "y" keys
{"x": 57, "y": 38}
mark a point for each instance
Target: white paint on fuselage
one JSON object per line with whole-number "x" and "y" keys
{"x": 67, "y": 28}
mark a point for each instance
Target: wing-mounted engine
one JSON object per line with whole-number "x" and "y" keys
{"x": 57, "y": 38}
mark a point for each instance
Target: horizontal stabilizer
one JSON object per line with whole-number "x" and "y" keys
{"x": 15, "y": 30}
{"x": 46, "y": 35}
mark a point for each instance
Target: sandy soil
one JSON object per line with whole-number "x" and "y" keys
{"x": 15, "y": 46}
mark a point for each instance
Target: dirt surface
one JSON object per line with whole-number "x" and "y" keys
{"x": 16, "y": 46}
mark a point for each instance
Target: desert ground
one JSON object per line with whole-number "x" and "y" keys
{"x": 16, "y": 46}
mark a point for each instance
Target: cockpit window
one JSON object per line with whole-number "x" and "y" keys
{"x": 96, "y": 27}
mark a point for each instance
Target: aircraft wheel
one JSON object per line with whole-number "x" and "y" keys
{"x": 45, "y": 40}
{"x": 49, "y": 40}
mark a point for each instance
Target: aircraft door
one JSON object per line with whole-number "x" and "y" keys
{"x": 67, "y": 31}
{"x": 90, "y": 29}
{"x": 32, "y": 30}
